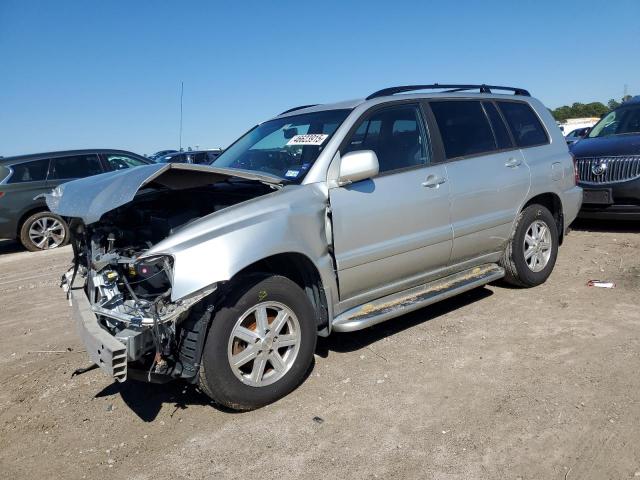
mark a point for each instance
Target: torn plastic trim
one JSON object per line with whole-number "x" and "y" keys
{"x": 91, "y": 197}
{"x": 172, "y": 311}
{"x": 175, "y": 309}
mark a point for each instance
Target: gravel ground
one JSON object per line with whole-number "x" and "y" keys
{"x": 498, "y": 383}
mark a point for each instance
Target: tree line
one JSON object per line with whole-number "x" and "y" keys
{"x": 582, "y": 110}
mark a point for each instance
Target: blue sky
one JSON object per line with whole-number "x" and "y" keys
{"x": 77, "y": 74}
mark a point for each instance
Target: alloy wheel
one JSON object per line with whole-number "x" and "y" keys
{"x": 537, "y": 246}
{"x": 47, "y": 233}
{"x": 264, "y": 344}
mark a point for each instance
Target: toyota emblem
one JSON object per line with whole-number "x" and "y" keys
{"x": 599, "y": 169}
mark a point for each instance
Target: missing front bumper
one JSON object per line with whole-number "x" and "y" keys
{"x": 103, "y": 349}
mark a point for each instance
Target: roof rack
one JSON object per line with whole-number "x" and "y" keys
{"x": 298, "y": 108}
{"x": 450, "y": 88}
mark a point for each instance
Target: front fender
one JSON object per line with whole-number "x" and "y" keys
{"x": 217, "y": 247}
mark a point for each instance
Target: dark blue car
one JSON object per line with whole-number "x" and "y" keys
{"x": 608, "y": 163}
{"x": 201, "y": 157}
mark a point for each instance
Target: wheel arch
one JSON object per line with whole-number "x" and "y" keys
{"x": 300, "y": 269}
{"x": 31, "y": 211}
{"x": 553, "y": 203}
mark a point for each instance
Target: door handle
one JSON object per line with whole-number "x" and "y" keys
{"x": 433, "y": 181}
{"x": 513, "y": 162}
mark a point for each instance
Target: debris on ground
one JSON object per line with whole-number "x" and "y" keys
{"x": 601, "y": 284}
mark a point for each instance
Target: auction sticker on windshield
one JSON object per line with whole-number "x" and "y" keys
{"x": 308, "y": 139}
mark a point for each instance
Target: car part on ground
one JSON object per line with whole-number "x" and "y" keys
{"x": 314, "y": 221}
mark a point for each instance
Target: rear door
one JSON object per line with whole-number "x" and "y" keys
{"x": 391, "y": 231}
{"x": 489, "y": 178}
{"x": 17, "y": 192}
{"x": 64, "y": 169}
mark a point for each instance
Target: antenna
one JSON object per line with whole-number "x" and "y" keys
{"x": 181, "y": 95}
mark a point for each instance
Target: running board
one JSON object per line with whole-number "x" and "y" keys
{"x": 415, "y": 298}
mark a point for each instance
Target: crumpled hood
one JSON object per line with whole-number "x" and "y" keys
{"x": 91, "y": 197}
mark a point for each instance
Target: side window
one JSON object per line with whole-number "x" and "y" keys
{"x": 211, "y": 156}
{"x": 397, "y": 136}
{"x": 29, "y": 171}
{"x": 499, "y": 129}
{"x": 524, "y": 124}
{"x": 76, "y": 166}
{"x": 119, "y": 162}
{"x": 199, "y": 158}
{"x": 464, "y": 127}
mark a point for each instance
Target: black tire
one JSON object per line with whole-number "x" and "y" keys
{"x": 51, "y": 242}
{"x": 217, "y": 379}
{"x": 518, "y": 272}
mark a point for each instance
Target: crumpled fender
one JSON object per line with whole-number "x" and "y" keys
{"x": 214, "y": 248}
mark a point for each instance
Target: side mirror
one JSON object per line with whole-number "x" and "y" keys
{"x": 356, "y": 166}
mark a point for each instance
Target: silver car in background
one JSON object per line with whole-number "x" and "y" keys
{"x": 325, "y": 218}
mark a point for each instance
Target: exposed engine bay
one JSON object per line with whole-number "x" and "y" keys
{"x": 131, "y": 296}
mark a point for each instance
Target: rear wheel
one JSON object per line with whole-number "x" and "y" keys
{"x": 260, "y": 344}
{"x": 43, "y": 231}
{"x": 532, "y": 251}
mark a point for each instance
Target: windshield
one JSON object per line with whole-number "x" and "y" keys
{"x": 619, "y": 122}
{"x": 286, "y": 147}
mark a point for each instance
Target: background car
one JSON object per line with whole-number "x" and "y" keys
{"x": 22, "y": 178}
{"x": 608, "y": 165}
{"x": 201, "y": 157}
{"x": 161, "y": 153}
{"x": 576, "y": 135}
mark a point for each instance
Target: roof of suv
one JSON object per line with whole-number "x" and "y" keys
{"x": 387, "y": 94}
{"x": 62, "y": 153}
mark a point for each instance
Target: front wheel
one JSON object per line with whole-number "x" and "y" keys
{"x": 260, "y": 344}
{"x": 532, "y": 251}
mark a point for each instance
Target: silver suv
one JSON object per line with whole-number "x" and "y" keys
{"x": 325, "y": 218}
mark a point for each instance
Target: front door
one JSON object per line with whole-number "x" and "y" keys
{"x": 390, "y": 231}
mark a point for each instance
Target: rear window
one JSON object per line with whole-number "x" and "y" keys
{"x": 211, "y": 156}
{"x": 499, "y": 129}
{"x": 524, "y": 124}
{"x": 464, "y": 127}
{"x": 119, "y": 162}
{"x": 199, "y": 158}
{"x": 35, "y": 171}
{"x": 76, "y": 166}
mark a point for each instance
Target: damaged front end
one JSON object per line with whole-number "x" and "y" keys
{"x": 125, "y": 306}
{"x": 130, "y": 299}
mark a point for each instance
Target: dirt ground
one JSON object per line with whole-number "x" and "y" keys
{"x": 498, "y": 383}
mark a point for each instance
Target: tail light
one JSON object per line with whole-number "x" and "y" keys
{"x": 576, "y": 177}
{"x": 1, "y": 194}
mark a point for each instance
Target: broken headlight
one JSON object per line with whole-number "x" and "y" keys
{"x": 151, "y": 276}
